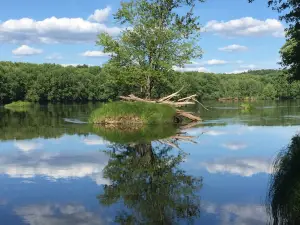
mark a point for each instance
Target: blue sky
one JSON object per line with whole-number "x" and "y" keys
{"x": 236, "y": 35}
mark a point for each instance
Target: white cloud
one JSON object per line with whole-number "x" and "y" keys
{"x": 27, "y": 146}
{"x": 246, "y": 26}
{"x": 56, "y": 214}
{"x": 234, "y": 146}
{"x": 234, "y": 214}
{"x": 55, "y": 56}
{"x": 215, "y": 62}
{"x": 100, "y": 15}
{"x": 55, "y": 166}
{"x": 233, "y": 48}
{"x": 250, "y": 66}
{"x": 246, "y": 167}
{"x": 237, "y": 71}
{"x": 190, "y": 69}
{"x": 95, "y": 54}
{"x": 53, "y": 30}
{"x": 25, "y": 50}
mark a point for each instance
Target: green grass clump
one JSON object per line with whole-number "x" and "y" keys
{"x": 133, "y": 112}
{"x": 18, "y": 106}
{"x": 246, "y": 107}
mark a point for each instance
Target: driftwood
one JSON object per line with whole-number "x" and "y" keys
{"x": 190, "y": 100}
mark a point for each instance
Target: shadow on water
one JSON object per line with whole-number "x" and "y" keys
{"x": 148, "y": 180}
{"x": 283, "y": 199}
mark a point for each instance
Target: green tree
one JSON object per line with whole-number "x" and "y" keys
{"x": 157, "y": 38}
{"x": 289, "y": 11}
{"x": 269, "y": 92}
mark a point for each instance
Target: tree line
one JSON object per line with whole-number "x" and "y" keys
{"x": 55, "y": 83}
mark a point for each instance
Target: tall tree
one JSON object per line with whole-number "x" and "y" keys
{"x": 160, "y": 34}
{"x": 290, "y": 52}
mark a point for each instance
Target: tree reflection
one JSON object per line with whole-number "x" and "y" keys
{"x": 152, "y": 186}
{"x": 284, "y": 192}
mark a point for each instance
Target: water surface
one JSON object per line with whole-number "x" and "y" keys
{"x": 56, "y": 169}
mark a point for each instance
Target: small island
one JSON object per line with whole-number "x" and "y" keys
{"x": 18, "y": 106}
{"x": 138, "y": 112}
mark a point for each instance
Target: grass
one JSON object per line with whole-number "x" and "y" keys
{"x": 133, "y": 113}
{"x": 18, "y": 106}
{"x": 143, "y": 134}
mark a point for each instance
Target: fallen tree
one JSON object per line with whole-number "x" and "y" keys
{"x": 169, "y": 100}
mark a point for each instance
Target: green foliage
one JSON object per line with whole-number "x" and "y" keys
{"x": 284, "y": 196}
{"x": 269, "y": 92}
{"x": 150, "y": 182}
{"x": 289, "y": 11}
{"x": 142, "y": 134}
{"x": 54, "y": 83}
{"x": 133, "y": 112}
{"x": 158, "y": 39}
{"x": 19, "y": 106}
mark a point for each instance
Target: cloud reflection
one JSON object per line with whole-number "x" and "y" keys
{"x": 27, "y": 146}
{"x": 95, "y": 141}
{"x": 55, "y": 165}
{"x": 246, "y": 167}
{"x": 235, "y": 214}
{"x": 234, "y": 146}
{"x": 58, "y": 215}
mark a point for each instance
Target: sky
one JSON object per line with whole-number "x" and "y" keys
{"x": 236, "y": 36}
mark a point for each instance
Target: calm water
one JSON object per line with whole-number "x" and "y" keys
{"x": 55, "y": 169}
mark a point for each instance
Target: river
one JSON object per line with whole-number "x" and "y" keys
{"x": 56, "y": 169}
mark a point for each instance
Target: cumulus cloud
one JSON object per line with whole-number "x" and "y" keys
{"x": 100, "y": 15}
{"x": 234, "y": 214}
{"x": 234, "y": 146}
{"x": 245, "y": 167}
{"x": 25, "y": 50}
{"x": 50, "y": 214}
{"x": 54, "y": 56}
{"x": 53, "y": 30}
{"x": 95, "y": 54}
{"x": 27, "y": 146}
{"x": 233, "y": 48}
{"x": 55, "y": 165}
{"x": 246, "y": 26}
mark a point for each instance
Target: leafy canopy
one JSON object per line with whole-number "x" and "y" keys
{"x": 157, "y": 36}
{"x": 290, "y": 52}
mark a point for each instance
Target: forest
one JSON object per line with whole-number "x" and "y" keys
{"x": 55, "y": 83}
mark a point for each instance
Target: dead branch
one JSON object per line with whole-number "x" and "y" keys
{"x": 187, "y": 98}
{"x": 170, "y": 96}
{"x": 188, "y": 115}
